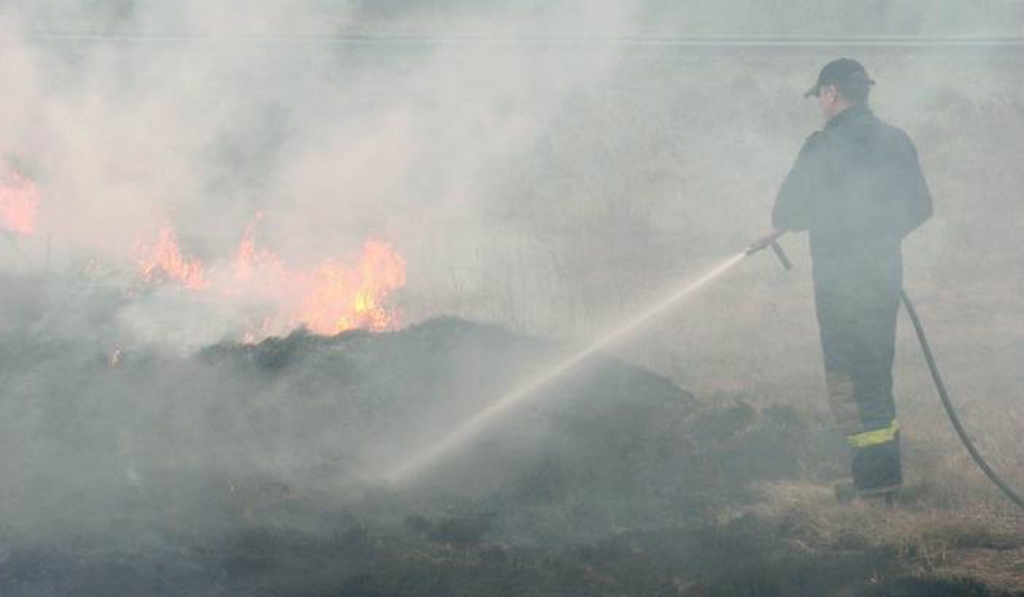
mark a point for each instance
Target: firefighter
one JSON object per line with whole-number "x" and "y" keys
{"x": 857, "y": 188}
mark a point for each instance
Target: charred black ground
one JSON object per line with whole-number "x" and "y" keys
{"x": 248, "y": 470}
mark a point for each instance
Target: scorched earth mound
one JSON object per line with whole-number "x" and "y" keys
{"x": 256, "y": 470}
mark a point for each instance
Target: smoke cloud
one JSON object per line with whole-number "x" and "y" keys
{"x": 547, "y": 167}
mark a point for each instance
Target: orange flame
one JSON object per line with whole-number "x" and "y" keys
{"x": 251, "y": 261}
{"x": 327, "y": 298}
{"x": 19, "y": 203}
{"x": 340, "y": 299}
{"x": 165, "y": 262}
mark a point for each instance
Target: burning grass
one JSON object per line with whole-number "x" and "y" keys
{"x": 19, "y": 201}
{"x": 328, "y": 297}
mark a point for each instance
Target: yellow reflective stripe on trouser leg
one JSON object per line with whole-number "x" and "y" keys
{"x": 873, "y": 438}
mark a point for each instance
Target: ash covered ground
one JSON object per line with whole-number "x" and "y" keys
{"x": 255, "y": 470}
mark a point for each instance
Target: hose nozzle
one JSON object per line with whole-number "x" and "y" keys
{"x": 771, "y": 240}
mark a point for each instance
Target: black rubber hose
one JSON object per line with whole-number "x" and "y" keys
{"x": 953, "y": 418}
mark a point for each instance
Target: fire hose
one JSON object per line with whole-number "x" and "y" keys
{"x": 772, "y": 242}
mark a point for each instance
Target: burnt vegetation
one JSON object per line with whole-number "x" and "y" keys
{"x": 619, "y": 483}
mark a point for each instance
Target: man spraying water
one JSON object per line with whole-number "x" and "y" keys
{"x": 857, "y": 188}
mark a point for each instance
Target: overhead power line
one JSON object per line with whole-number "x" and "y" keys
{"x": 642, "y": 41}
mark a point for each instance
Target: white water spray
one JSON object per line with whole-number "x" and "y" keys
{"x": 522, "y": 394}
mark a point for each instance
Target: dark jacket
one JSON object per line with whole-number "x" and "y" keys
{"x": 857, "y": 188}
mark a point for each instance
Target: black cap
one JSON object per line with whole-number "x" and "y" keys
{"x": 841, "y": 70}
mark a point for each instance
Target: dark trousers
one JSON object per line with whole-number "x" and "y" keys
{"x": 857, "y": 304}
